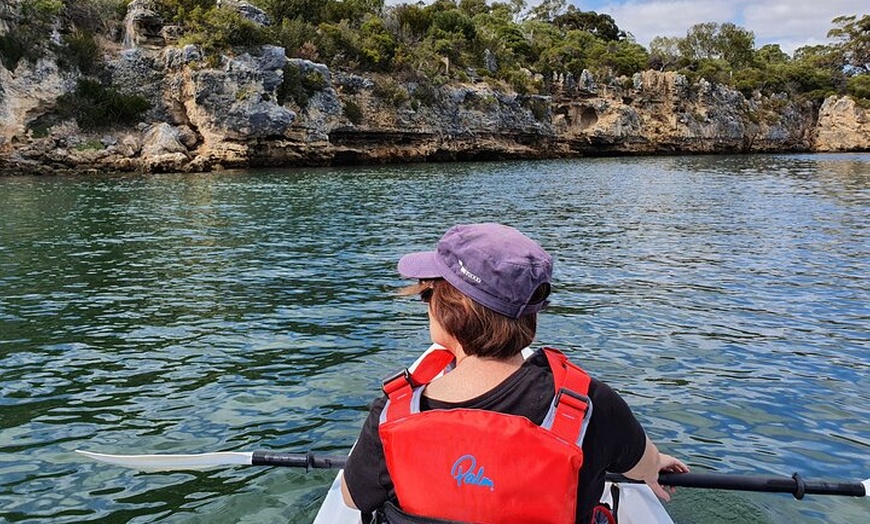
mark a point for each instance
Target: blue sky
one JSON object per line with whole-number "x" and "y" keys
{"x": 789, "y": 23}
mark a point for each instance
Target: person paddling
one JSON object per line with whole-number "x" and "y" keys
{"x": 497, "y": 437}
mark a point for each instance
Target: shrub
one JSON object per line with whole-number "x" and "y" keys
{"x": 81, "y": 51}
{"x": 178, "y": 10}
{"x": 295, "y": 34}
{"x": 391, "y": 92}
{"x": 377, "y": 45}
{"x": 218, "y": 30}
{"x": 340, "y": 41}
{"x": 94, "y": 105}
{"x": 13, "y": 49}
{"x": 859, "y": 86}
{"x": 425, "y": 94}
{"x": 89, "y": 145}
{"x": 353, "y": 112}
{"x": 298, "y": 86}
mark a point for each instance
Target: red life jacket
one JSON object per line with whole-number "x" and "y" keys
{"x": 482, "y": 466}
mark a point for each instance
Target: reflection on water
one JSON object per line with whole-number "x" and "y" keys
{"x": 725, "y": 297}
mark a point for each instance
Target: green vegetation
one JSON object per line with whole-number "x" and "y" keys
{"x": 504, "y": 43}
{"x": 74, "y": 32}
{"x": 89, "y": 145}
{"x": 299, "y": 86}
{"x": 507, "y": 43}
{"x": 30, "y": 28}
{"x": 726, "y": 53}
{"x": 94, "y": 105}
{"x": 353, "y": 112}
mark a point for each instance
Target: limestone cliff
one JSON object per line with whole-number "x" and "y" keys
{"x": 259, "y": 109}
{"x": 843, "y": 126}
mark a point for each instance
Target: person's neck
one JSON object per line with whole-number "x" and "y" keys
{"x": 472, "y": 377}
{"x": 477, "y": 362}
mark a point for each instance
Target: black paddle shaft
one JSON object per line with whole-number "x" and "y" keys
{"x": 297, "y": 460}
{"x": 795, "y": 485}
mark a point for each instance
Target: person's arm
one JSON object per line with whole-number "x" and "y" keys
{"x": 345, "y": 494}
{"x": 651, "y": 464}
{"x": 365, "y": 481}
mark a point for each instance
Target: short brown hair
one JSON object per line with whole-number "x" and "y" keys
{"x": 480, "y": 330}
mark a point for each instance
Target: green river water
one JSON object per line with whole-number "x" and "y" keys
{"x": 725, "y": 297}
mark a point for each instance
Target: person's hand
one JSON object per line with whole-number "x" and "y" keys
{"x": 667, "y": 464}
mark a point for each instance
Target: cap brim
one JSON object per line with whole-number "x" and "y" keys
{"x": 419, "y": 265}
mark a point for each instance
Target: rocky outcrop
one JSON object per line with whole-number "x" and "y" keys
{"x": 843, "y": 126}
{"x": 261, "y": 108}
{"x": 26, "y": 94}
{"x": 663, "y": 113}
{"x": 143, "y": 24}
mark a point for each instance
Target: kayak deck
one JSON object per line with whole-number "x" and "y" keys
{"x": 637, "y": 505}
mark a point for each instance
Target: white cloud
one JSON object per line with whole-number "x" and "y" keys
{"x": 647, "y": 19}
{"x": 795, "y": 24}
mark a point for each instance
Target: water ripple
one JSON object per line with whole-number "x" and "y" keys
{"x": 724, "y": 297}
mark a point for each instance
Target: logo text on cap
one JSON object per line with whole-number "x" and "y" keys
{"x": 468, "y": 273}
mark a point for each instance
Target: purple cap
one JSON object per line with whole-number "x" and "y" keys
{"x": 494, "y": 265}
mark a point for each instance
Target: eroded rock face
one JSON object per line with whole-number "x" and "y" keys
{"x": 843, "y": 126}
{"x": 143, "y": 24}
{"x": 261, "y": 108}
{"x": 239, "y": 101}
{"x": 28, "y": 93}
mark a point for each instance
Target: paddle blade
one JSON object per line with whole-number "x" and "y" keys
{"x": 172, "y": 462}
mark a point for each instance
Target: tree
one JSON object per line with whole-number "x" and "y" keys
{"x": 601, "y": 25}
{"x": 547, "y": 10}
{"x": 853, "y": 36}
{"x": 712, "y": 41}
{"x": 664, "y": 52}
{"x": 735, "y": 45}
{"x": 572, "y": 54}
{"x": 473, "y": 7}
{"x": 700, "y": 42}
{"x": 623, "y": 57}
{"x": 771, "y": 54}
{"x": 817, "y": 62}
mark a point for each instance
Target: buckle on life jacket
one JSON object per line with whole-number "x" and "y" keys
{"x": 397, "y": 381}
{"x": 571, "y": 399}
{"x": 569, "y": 416}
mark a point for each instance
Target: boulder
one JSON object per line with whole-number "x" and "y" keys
{"x": 247, "y": 10}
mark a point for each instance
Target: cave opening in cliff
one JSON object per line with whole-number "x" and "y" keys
{"x": 588, "y": 117}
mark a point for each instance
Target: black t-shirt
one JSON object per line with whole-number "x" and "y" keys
{"x": 615, "y": 440}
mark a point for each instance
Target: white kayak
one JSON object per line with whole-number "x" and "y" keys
{"x": 637, "y": 502}
{"x": 637, "y": 505}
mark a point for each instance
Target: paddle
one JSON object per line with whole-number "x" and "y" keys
{"x": 221, "y": 458}
{"x": 796, "y": 485}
